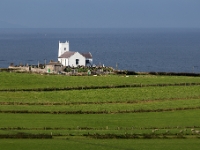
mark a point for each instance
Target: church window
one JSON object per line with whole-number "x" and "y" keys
{"x": 77, "y": 61}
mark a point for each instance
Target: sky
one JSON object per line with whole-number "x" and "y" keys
{"x": 99, "y": 13}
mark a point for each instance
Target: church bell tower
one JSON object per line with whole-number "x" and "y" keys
{"x": 63, "y": 47}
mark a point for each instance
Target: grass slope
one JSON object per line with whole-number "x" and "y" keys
{"x": 113, "y": 144}
{"x": 25, "y": 113}
{"x": 24, "y": 80}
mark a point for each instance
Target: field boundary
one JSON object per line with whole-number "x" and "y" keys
{"x": 90, "y": 103}
{"x": 101, "y": 87}
{"x": 22, "y": 135}
{"x": 98, "y": 112}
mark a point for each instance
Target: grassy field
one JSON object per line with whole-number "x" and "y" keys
{"x": 146, "y": 117}
{"x": 112, "y": 144}
{"x": 23, "y": 80}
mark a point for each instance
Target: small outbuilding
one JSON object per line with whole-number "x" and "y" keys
{"x": 54, "y": 67}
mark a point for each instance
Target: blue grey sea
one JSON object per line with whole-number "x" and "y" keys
{"x": 140, "y": 50}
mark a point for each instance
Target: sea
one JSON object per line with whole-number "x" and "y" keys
{"x": 132, "y": 49}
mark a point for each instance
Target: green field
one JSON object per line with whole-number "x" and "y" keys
{"x": 162, "y": 113}
{"x": 111, "y": 144}
{"x": 23, "y": 80}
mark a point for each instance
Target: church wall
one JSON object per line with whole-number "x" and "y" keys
{"x": 64, "y": 61}
{"x": 79, "y": 57}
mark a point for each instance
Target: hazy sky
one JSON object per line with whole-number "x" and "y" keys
{"x": 100, "y": 13}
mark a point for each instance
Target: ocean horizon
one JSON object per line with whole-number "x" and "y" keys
{"x": 140, "y": 50}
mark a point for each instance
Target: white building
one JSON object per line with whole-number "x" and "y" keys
{"x": 70, "y": 58}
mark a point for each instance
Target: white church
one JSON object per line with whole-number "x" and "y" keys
{"x": 73, "y": 59}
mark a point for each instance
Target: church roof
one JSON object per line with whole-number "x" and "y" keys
{"x": 87, "y": 55}
{"x": 68, "y": 54}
